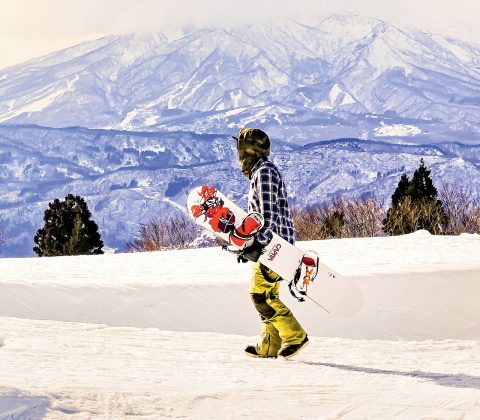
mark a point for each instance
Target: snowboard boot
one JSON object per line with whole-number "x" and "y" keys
{"x": 292, "y": 349}
{"x": 252, "y": 351}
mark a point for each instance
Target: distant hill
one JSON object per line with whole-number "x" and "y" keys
{"x": 130, "y": 177}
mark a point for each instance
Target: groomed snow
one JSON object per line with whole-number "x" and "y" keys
{"x": 160, "y": 335}
{"x": 59, "y": 370}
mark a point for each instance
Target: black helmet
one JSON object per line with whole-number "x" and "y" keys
{"x": 252, "y": 144}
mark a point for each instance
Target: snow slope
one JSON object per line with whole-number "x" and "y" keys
{"x": 205, "y": 290}
{"x": 60, "y": 370}
{"x": 160, "y": 335}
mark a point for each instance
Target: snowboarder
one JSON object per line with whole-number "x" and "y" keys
{"x": 281, "y": 334}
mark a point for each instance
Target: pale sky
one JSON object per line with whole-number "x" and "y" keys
{"x": 31, "y": 28}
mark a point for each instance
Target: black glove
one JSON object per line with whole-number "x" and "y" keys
{"x": 241, "y": 259}
{"x": 251, "y": 253}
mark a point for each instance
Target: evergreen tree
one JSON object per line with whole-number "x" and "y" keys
{"x": 421, "y": 187}
{"x": 415, "y": 205}
{"x": 68, "y": 229}
{"x": 402, "y": 190}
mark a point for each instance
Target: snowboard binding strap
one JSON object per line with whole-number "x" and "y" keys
{"x": 305, "y": 274}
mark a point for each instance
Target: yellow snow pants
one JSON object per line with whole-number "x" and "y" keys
{"x": 279, "y": 326}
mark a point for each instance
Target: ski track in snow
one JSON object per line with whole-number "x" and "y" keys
{"x": 57, "y": 370}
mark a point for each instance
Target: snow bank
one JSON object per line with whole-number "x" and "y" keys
{"x": 104, "y": 365}
{"x": 414, "y": 287}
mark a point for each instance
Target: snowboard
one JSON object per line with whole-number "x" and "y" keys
{"x": 306, "y": 276}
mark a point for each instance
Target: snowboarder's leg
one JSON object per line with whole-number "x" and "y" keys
{"x": 269, "y": 344}
{"x": 270, "y": 341}
{"x": 264, "y": 291}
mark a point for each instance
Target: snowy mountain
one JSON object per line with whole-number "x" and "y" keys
{"x": 406, "y": 93}
{"x": 347, "y": 76}
{"x": 129, "y": 178}
{"x": 161, "y": 334}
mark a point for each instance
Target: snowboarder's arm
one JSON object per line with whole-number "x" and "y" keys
{"x": 265, "y": 184}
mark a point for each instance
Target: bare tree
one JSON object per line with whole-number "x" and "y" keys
{"x": 363, "y": 218}
{"x": 181, "y": 231}
{"x": 175, "y": 232}
{"x": 462, "y": 207}
{"x": 339, "y": 218}
{"x": 474, "y": 222}
{"x": 307, "y": 223}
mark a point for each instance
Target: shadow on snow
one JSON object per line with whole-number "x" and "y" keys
{"x": 458, "y": 380}
{"x": 16, "y": 404}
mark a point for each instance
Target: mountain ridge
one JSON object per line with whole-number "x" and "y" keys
{"x": 217, "y": 79}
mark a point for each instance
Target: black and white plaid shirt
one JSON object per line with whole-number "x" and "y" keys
{"x": 268, "y": 196}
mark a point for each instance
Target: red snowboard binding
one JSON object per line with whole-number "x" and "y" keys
{"x": 306, "y": 273}
{"x": 243, "y": 235}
